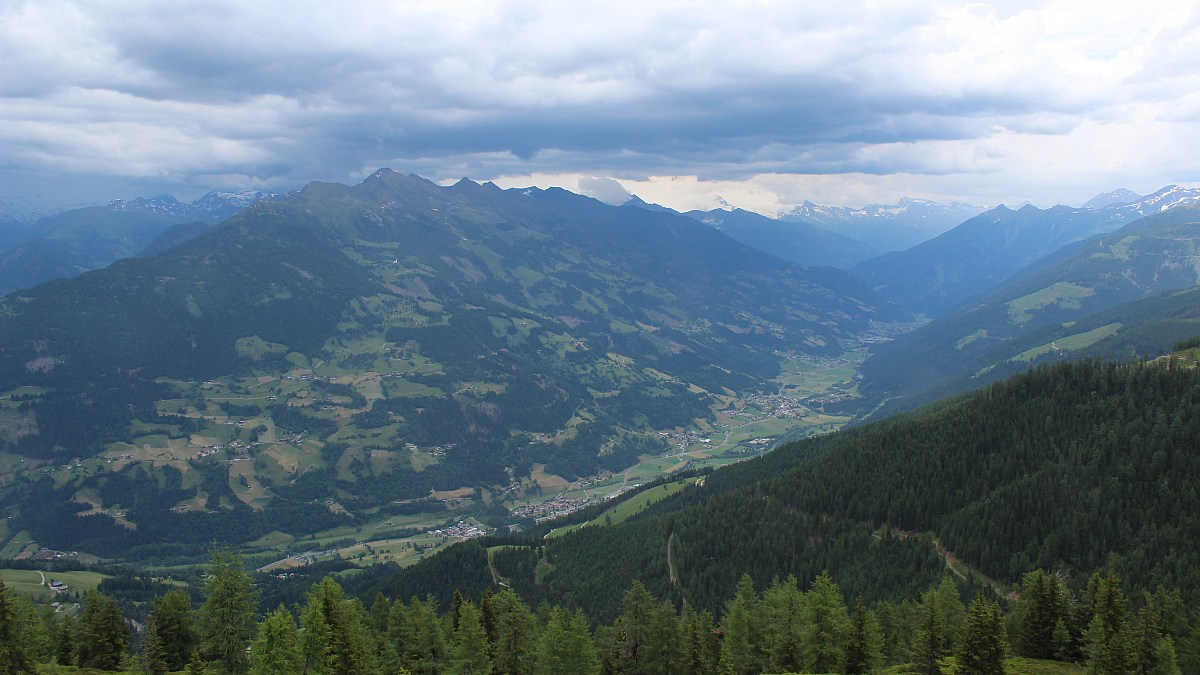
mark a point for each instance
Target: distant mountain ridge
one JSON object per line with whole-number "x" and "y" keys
{"x": 1114, "y": 198}
{"x": 888, "y": 227}
{"x": 1066, "y": 302}
{"x": 799, "y": 242}
{"x": 209, "y": 207}
{"x": 69, "y": 243}
{"x": 982, "y": 252}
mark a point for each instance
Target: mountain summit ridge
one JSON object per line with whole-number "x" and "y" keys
{"x": 371, "y": 343}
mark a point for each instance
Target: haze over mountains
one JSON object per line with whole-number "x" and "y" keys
{"x": 341, "y": 348}
{"x": 68, "y": 243}
{"x": 893, "y": 227}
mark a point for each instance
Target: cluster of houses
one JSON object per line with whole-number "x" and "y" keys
{"x": 769, "y": 406}
{"x": 562, "y": 506}
{"x": 434, "y": 450}
{"x": 682, "y": 439}
{"x": 559, "y": 506}
{"x": 462, "y": 530}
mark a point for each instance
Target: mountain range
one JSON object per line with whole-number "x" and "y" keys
{"x": 887, "y": 227}
{"x": 1070, "y": 301}
{"x": 382, "y": 364}
{"x": 938, "y": 274}
{"x": 342, "y": 348}
{"x": 466, "y": 393}
{"x": 68, "y": 243}
{"x": 796, "y": 241}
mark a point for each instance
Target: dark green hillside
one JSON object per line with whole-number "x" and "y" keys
{"x": 1077, "y": 465}
{"x": 350, "y": 349}
{"x": 1080, "y": 467}
{"x": 1055, "y": 308}
{"x": 934, "y": 276}
{"x": 712, "y": 544}
{"x": 96, "y": 345}
{"x": 1138, "y": 329}
{"x": 174, "y": 236}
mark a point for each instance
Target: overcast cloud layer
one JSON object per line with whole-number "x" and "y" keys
{"x": 763, "y": 104}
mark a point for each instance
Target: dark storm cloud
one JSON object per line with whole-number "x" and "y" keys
{"x": 271, "y": 92}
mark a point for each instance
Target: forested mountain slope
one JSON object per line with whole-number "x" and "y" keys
{"x": 1047, "y": 308}
{"x": 1080, "y": 466}
{"x": 935, "y": 276}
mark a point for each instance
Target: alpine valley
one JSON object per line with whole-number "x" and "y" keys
{"x": 350, "y": 360}
{"x": 692, "y": 455}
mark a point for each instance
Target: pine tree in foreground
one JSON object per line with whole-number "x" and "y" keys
{"x": 227, "y": 615}
{"x": 864, "y": 649}
{"x": 104, "y": 635}
{"x": 566, "y": 646}
{"x": 469, "y": 652}
{"x": 13, "y": 651}
{"x": 982, "y": 649}
{"x": 276, "y": 650}
{"x": 929, "y": 639}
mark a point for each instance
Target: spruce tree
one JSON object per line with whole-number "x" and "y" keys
{"x": 1110, "y": 640}
{"x": 1061, "y": 641}
{"x": 154, "y": 655}
{"x": 196, "y": 665}
{"x": 700, "y": 649}
{"x": 954, "y": 614}
{"x": 515, "y": 640}
{"x": 420, "y": 641}
{"x": 864, "y": 648}
{"x": 104, "y": 635}
{"x": 1165, "y": 662}
{"x": 14, "y": 656}
{"x": 664, "y": 652}
{"x": 981, "y": 651}
{"x": 929, "y": 644}
{"x": 566, "y": 646}
{"x": 227, "y": 615}
{"x": 739, "y": 649}
{"x": 334, "y": 636}
{"x": 633, "y": 639}
{"x": 825, "y": 628}
{"x": 176, "y": 627}
{"x": 781, "y": 613}
{"x": 65, "y": 649}
{"x": 276, "y": 650}
{"x": 1038, "y": 616}
{"x": 469, "y": 650}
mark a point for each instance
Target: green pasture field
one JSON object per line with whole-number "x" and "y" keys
{"x": 1063, "y": 294}
{"x": 1070, "y": 343}
{"x": 29, "y": 582}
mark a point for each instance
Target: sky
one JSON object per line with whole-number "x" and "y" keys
{"x": 760, "y": 105}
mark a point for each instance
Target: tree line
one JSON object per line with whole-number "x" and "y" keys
{"x": 781, "y": 627}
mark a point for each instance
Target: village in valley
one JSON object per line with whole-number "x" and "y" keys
{"x": 228, "y": 431}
